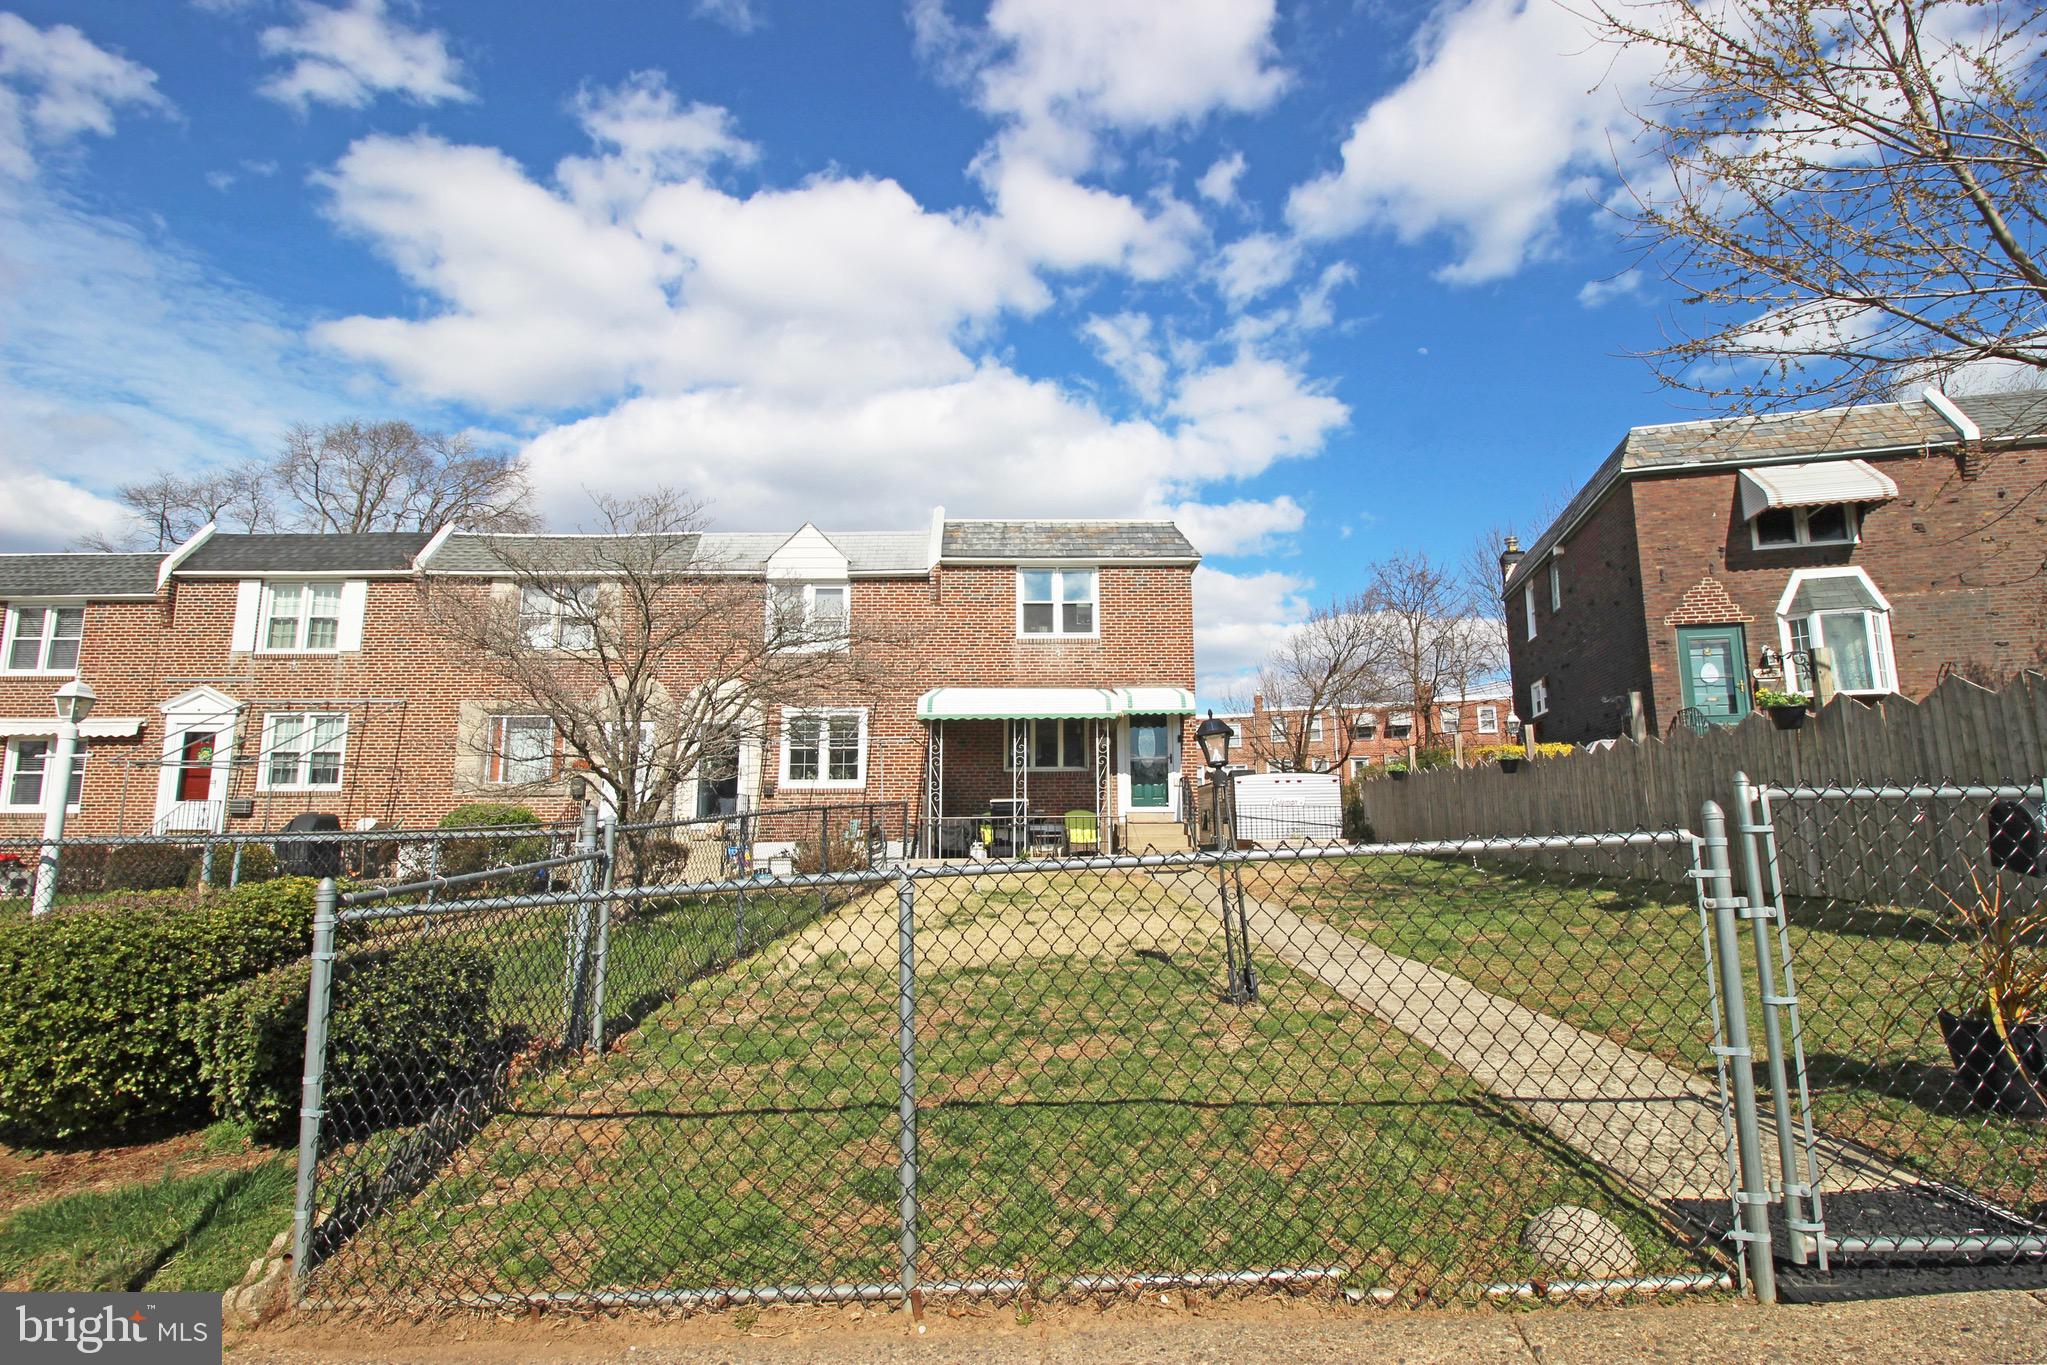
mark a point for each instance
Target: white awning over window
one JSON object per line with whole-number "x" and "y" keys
{"x": 1813, "y": 485}
{"x": 110, "y": 727}
{"x": 1052, "y": 703}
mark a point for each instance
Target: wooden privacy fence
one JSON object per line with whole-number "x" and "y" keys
{"x": 1960, "y": 734}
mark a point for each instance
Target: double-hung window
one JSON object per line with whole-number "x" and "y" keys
{"x": 1399, "y": 724}
{"x": 1556, "y": 584}
{"x": 1364, "y": 725}
{"x": 1050, "y": 744}
{"x": 1315, "y": 727}
{"x": 1279, "y": 731}
{"x": 809, "y": 615}
{"x": 521, "y": 749}
{"x": 1360, "y": 766}
{"x": 558, "y": 616}
{"x": 28, "y": 763}
{"x": 1841, "y": 612}
{"x": 303, "y": 750}
{"x": 1489, "y": 720}
{"x": 301, "y": 618}
{"x": 1538, "y": 697}
{"x": 824, "y": 748}
{"x": 44, "y": 639}
{"x": 1055, "y": 602}
{"x": 1452, "y": 718}
{"x": 1528, "y": 608}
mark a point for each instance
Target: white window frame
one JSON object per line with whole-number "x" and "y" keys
{"x": 823, "y": 714}
{"x": 1877, "y": 622}
{"x": 812, "y": 641}
{"x": 1448, "y": 718}
{"x": 1360, "y": 765}
{"x": 1802, "y": 520}
{"x": 586, "y": 596}
{"x": 1059, "y": 602}
{"x": 497, "y": 759}
{"x": 1315, "y": 728}
{"x": 309, "y": 726}
{"x": 1489, "y": 720}
{"x": 1556, "y": 585}
{"x": 1538, "y": 698}
{"x": 12, "y": 766}
{"x": 1366, "y": 721}
{"x": 1083, "y": 760}
{"x": 303, "y": 621}
{"x": 1528, "y": 603}
{"x": 51, "y": 608}
{"x": 1404, "y": 719}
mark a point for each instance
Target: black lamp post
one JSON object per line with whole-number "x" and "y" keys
{"x": 1214, "y": 738}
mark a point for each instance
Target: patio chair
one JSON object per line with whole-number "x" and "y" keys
{"x": 1083, "y": 832}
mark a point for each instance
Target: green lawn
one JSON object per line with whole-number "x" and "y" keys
{"x": 1087, "y": 1104}
{"x": 192, "y": 1228}
{"x": 1625, "y": 960}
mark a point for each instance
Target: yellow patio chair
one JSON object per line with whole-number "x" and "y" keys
{"x": 1083, "y": 832}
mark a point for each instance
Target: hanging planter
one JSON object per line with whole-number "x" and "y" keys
{"x": 1510, "y": 765}
{"x": 1787, "y": 709}
{"x": 1397, "y": 771}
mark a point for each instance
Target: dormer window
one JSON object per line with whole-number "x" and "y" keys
{"x": 1055, "y": 602}
{"x": 301, "y": 618}
{"x": 809, "y": 615}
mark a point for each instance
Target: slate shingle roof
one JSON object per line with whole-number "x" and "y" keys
{"x": 1003, "y": 540}
{"x": 78, "y": 575}
{"x": 1820, "y": 433}
{"x": 306, "y": 552}
{"x": 467, "y": 552}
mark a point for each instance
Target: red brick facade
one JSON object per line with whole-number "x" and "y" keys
{"x": 1258, "y": 746}
{"x": 1956, "y": 554}
{"x": 404, "y": 691}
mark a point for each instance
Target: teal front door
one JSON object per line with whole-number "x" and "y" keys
{"x": 1712, "y": 665}
{"x": 1151, "y": 763}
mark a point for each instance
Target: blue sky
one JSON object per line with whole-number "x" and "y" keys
{"x": 1324, "y": 280}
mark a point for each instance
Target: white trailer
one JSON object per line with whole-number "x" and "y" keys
{"x": 1289, "y": 808}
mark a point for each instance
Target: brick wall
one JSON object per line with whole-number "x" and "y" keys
{"x": 404, "y": 691}
{"x": 1590, "y": 647}
{"x": 1254, "y": 744}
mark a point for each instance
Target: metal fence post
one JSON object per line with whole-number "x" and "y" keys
{"x": 742, "y": 867}
{"x": 313, "y": 1085}
{"x": 1753, "y": 1194}
{"x": 1761, "y": 911}
{"x": 580, "y": 917}
{"x": 824, "y": 854}
{"x": 906, "y": 1081}
{"x": 605, "y": 882}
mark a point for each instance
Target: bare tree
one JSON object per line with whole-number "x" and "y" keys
{"x": 1328, "y": 667}
{"x": 1849, "y": 193}
{"x": 1441, "y": 642}
{"x": 650, "y": 662}
{"x": 390, "y": 476}
{"x": 167, "y": 509}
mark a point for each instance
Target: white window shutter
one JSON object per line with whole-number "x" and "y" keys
{"x": 248, "y": 610}
{"x": 355, "y": 594}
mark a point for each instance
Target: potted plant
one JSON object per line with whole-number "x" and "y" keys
{"x": 1510, "y": 763}
{"x": 1787, "y": 709}
{"x": 1997, "y": 1032}
{"x": 1397, "y": 771}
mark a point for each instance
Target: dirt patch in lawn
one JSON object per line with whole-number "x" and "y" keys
{"x": 30, "y": 1177}
{"x": 984, "y": 921}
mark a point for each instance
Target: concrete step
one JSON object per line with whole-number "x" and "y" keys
{"x": 1156, "y": 837}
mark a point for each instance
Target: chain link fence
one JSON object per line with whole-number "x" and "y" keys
{"x": 1403, "y": 1074}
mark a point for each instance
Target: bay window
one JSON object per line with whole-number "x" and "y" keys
{"x": 1840, "y": 611}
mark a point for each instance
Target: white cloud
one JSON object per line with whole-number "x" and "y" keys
{"x": 1218, "y": 184}
{"x": 1598, "y": 293}
{"x": 1255, "y": 264}
{"x": 741, "y": 16}
{"x": 1243, "y": 416}
{"x": 56, "y": 84}
{"x": 651, "y": 131}
{"x": 1061, "y": 223}
{"x": 1238, "y": 621}
{"x": 1247, "y": 526}
{"x": 1512, "y": 111}
{"x": 1124, "y": 342}
{"x": 353, "y": 54}
{"x": 41, "y": 512}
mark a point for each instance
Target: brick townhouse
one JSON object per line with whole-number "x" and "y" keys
{"x": 1705, "y": 559}
{"x": 1356, "y": 739}
{"x": 243, "y": 679}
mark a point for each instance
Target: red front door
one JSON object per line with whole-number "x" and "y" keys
{"x": 195, "y": 774}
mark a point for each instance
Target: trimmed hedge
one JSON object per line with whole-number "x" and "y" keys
{"x": 91, "y": 1000}
{"x": 459, "y": 856}
{"x": 409, "y": 1026}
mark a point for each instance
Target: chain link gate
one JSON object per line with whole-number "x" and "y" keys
{"x": 1900, "y": 947}
{"x": 1377, "y": 1072}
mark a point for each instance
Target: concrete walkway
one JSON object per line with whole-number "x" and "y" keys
{"x": 1651, "y": 1124}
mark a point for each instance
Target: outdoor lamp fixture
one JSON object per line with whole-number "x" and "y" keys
{"x": 1214, "y": 738}
{"x": 1513, "y": 726}
{"x": 579, "y": 788}
{"x": 75, "y": 701}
